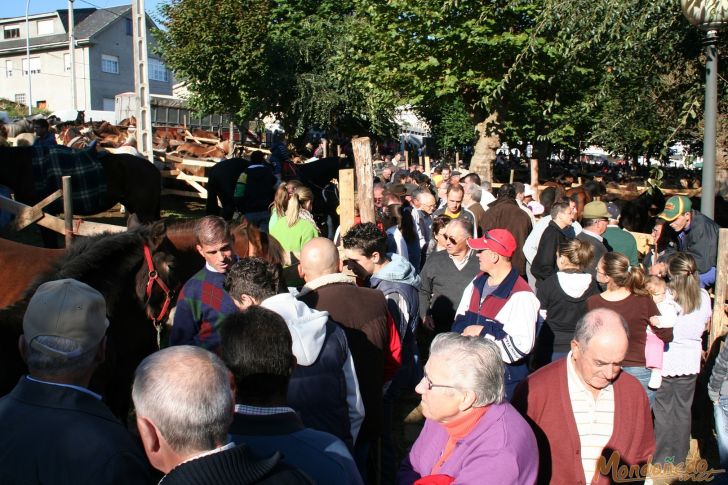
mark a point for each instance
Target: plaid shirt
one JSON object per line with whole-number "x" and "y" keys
{"x": 201, "y": 307}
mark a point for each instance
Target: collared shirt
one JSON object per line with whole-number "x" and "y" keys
{"x": 461, "y": 264}
{"x": 592, "y": 234}
{"x": 70, "y": 386}
{"x": 594, "y": 418}
{"x": 262, "y": 411}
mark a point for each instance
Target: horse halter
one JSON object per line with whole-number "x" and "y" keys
{"x": 168, "y": 294}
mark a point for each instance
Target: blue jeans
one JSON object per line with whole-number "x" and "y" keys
{"x": 642, "y": 374}
{"x": 721, "y": 431}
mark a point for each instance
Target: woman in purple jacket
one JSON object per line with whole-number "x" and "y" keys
{"x": 470, "y": 436}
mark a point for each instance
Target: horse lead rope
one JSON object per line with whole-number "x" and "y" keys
{"x": 168, "y": 294}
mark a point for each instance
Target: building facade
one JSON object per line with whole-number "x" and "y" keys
{"x": 103, "y": 58}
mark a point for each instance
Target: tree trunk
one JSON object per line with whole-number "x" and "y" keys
{"x": 484, "y": 152}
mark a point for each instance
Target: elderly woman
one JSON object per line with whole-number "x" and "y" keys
{"x": 470, "y": 435}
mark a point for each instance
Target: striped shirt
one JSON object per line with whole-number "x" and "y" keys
{"x": 594, "y": 418}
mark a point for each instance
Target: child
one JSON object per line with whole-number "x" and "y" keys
{"x": 654, "y": 347}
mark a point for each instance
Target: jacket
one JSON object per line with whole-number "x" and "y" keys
{"x": 563, "y": 297}
{"x": 323, "y": 387}
{"x": 234, "y": 466}
{"x": 504, "y": 213}
{"x": 544, "y": 262}
{"x": 362, "y": 314}
{"x": 618, "y": 240}
{"x": 599, "y": 250}
{"x": 320, "y": 455}
{"x": 701, "y": 241}
{"x": 543, "y": 399}
{"x": 500, "y": 450}
{"x": 255, "y": 189}
{"x": 400, "y": 283}
{"x": 718, "y": 384}
{"x": 58, "y": 435}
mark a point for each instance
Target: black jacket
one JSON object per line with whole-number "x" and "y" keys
{"x": 544, "y": 263}
{"x": 701, "y": 241}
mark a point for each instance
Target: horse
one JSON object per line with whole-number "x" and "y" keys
{"x": 31, "y": 262}
{"x": 138, "y": 273}
{"x": 638, "y": 215}
{"x": 131, "y": 180}
{"x": 221, "y": 180}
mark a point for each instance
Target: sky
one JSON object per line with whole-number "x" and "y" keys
{"x": 16, "y": 8}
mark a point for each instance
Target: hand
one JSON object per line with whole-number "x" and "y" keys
{"x": 473, "y": 331}
{"x": 655, "y": 321}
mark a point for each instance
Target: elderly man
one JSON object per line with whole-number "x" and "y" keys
{"x": 499, "y": 305}
{"x": 584, "y": 410}
{"x": 594, "y": 221}
{"x": 504, "y": 213}
{"x": 53, "y": 429}
{"x": 184, "y": 407}
{"x": 258, "y": 351}
{"x": 618, "y": 240}
{"x": 362, "y": 314}
{"x": 203, "y": 302}
{"x": 424, "y": 206}
{"x": 697, "y": 235}
{"x": 470, "y": 435}
{"x": 324, "y": 388}
{"x": 445, "y": 276}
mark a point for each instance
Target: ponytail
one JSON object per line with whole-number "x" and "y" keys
{"x": 280, "y": 200}
{"x": 617, "y": 267}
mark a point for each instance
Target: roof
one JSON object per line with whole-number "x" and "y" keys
{"x": 89, "y": 22}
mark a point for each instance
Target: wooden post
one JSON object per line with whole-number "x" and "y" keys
{"x": 231, "y": 140}
{"x": 534, "y": 178}
{"x": 365, "y": 178}
{"x": 457, "y": 160}
{"x": 67, "y": 209}
{"x": 721, "y": 268}
{"x": 325, "y": 143}
{"x": 406, "y": 157}
{"x": 513, "y": 173}
{"x": 346, "y": 200}
{"x": 428, "y": 167}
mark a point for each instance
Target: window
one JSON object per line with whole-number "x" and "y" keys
{"x": 66, "y": 61}
{"x": 8, "y": 68}
{"x": 109, "y": 104}
{"x": 128, "y": 27}
{"x": 34, "y": 65}
{"x": 11, "y": 32}
{"x": 110, "y": 64}
{"x": 41, "y": 104}
{"x": 20, "y": 98}
{"x": 157, "y": 71}
{"x": 45, "y": 27}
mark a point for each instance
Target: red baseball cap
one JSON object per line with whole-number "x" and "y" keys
{"x": 499, "y": 241}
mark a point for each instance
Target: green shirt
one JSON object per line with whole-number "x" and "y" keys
{"x": 620, "y": 241}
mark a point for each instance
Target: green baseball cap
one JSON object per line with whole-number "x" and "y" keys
{"x": 675, "y": 206}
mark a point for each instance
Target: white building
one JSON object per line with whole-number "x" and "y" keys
{"x": 103, "y": 58}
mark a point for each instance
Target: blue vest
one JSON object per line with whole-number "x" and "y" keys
{"x": 318, "y": 391}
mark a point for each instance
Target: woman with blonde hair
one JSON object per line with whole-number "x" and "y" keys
{"x": 297, "y": 226}
{"x": 681, "y": 361}
{"x": 627, "y": 295}
{"x": 563, "y": 297}
{"x": 280, "y": 200}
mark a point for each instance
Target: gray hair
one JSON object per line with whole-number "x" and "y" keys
{"x": 475, "y": 364}
{"x": 49, "y": 365}
{"x": 486, "y": 186}
{"x": 592, "y": 322}
{"x": 464, "y": 224}
{"x": 475, "y": 192}
{"x": 185, "y": 392}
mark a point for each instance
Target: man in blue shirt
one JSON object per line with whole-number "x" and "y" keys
{"x": 42, "y": 131}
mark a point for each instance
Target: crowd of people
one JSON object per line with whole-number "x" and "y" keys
{"x": 542, "y": 349}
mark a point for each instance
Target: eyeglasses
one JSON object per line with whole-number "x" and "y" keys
{"x": 451, "y": 239}
{"x": 430, "y": 385}
{"x": 488, "y": 236}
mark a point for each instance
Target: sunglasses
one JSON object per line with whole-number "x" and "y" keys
{"x": 452, "y": 240}
{"x": 488, "y": 236}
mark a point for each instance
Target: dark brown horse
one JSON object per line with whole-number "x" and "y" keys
{"x": 117, "y": 267}
{"x": 131, "y": 180}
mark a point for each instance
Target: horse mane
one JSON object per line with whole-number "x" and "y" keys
{"x": 247, "y": 237}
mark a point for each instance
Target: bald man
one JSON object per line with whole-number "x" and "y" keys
{"x": 584, "y": 410}
{"x": 362, "y": 313}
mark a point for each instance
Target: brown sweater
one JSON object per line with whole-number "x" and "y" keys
{"x": 543, "y": 399}
{"x": 362, "y": 314}
{"x": 636, "y": 310}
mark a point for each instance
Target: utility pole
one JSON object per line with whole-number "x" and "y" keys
{"x": 141, "y": 80}
{"x": 72, "y": 53}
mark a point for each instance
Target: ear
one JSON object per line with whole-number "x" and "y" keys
{"x": 101, "y": 352}
{"x": 467, "y": 401}
{"x": 575, "y": 350}
{"x": 132, "y": 222}
{"x": 157, "y": 232}
{"x": 151, "y": 440}
{"x": 301, "y": 274}
{"x": 377, "y": 257}
{"x": 21, "y": 348}
{"x": 199, "y": 250}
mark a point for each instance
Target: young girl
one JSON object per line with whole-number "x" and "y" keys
{"x": 654, "y": 346}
